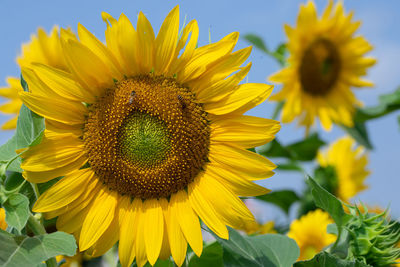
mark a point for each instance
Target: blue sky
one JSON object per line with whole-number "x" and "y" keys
{"x": 19, "y": 19}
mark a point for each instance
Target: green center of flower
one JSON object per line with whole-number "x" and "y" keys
{"x": 319, "y": 67}
{"x": 144, "y": 139}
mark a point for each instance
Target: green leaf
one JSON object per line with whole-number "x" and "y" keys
{"x": 304, "y": 150}
{"x": 270, "y": 250}
{"x": 327, "y": 260}
{"x": 329, "y": 203}
{"x": 19, "y": 251}
{"x": 283, "y": 199}
{"x": 257, "y": 42}
{"x": 17, "y": 211}
{"x": 387, "y": 104}
{"x": 280, "y": 249}
{"x": 359, "y": 133}
{"x": 29, "y": 132}
{"x": 212, "y": 256}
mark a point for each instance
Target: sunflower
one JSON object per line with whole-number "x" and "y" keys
{"x": 149, "y": 135}
{"x": 310, "y": 233}
{"x": 349, "y": 164}
{"x": 254, "y": 227}
{"x": 3, "y": 224}
{"x": 43, "y": 48}
{"x": 326, "y": 59}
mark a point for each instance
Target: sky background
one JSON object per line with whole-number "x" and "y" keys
{"x": 380, "y": 20}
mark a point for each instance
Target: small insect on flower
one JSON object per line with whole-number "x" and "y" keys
{"x": 132, "y": 97}
{"x": 182, "y": 101}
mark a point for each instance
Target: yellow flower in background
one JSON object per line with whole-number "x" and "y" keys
{"x": 326, "y": 59}
{"x": 42, "y": 48}
{"x": 310, "y": 233}
{"x": 3, "y": 224}
{"x": 350, "y": 164}
{"x": 13, "y": 105}
{"x": 150, "y": 136}
{"x": 75, "y": 261}
{"x": 253, "y": 227}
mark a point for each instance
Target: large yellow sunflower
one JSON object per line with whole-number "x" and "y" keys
{"x": 42, "y": 48}
{"x": 150, "y": 136}
{"x": 350, "y": 166}
{"x": 326, "y": 59}
{"x": 310, "y": 233}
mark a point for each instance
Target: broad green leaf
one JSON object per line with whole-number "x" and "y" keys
{"x": 329, "y": 203}
{"x": 327, "y": 260}
{"x": 387, "y": 104}
{"x": 263, "y": 250}
{"x": 280, "y": 249}
{"x": 359, "y": 133}
{"x": 290, "y": 166}
{"x": 13, "y": 180}
{"x": 257, "y": 41}
{"x": 17, "y": 251}
{"x": 304, "y": 150}
{"x": 283, "y": 199}
{"x": 17, "y": 211}
{"x": 29, "y": 132}
{"x": 212, "y": 256}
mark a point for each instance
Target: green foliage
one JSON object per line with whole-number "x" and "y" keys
{"x": 17, "y": 211}
{"x": 279, "y": 54}
{"x": 329, "y": 203}
{"x": 304, "y": 150}
{"x": 373, "y": 239}
{"x": 19, "y": 251}
{"x": 270, "y": 250}
{"x": 328, "y": 260}
{"x": 29, "y": 132}
{"x": 212, "y": 256}
{"x": 283, "y": 199}
{"x": 359, "y": 133}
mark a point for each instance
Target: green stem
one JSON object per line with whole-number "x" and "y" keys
{"x": 277, "y": 110}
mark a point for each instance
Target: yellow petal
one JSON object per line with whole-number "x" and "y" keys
{"x": 62, "y": 83}
{"x": 53, "y": 152}
{"x": 188, "y": 220}
{"x": 177, "y": 241}
{"x": 237, "y": 183}
{"x": 244, "y": 98}
{"x": 10, "y": 124}
{"x": 98, "y": 219}
{"x": 153, "y": 229}
{"x": 166, "y": 41}
{"x": 206, "y": 55}
{"x": 128, "y": 231}
{"x": 59, "y": 110}
{"x": 145, "y": 34}
{"x": 64, "y": 191}
{"x": 206, "y": 211}
{"x": 100, "y": 50}
{"x": 88, "y": 69}
{"x": 141, "y": 257}
{"x": 241, "y": 160}
{"x": 245, "y": 131}
{"x": 106, "y": 241}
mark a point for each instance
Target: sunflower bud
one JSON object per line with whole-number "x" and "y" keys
{"x": 373, "y": 238}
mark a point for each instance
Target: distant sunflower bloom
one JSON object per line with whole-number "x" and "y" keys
{"x": 42, "y": 48}
{"x": 326, "y": 59}
{"x": 310, "y": 233}
{"x": 150, "y": 136}
{"x": 254, "y": 227}
{"x": 350, "y": 165}
{"x": 3, "y": 224}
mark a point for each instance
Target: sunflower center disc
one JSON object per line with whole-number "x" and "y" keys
{"x": 147, "y": 137}
{"x": 319, "y": 67}
{"x": 144, "y": 139}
